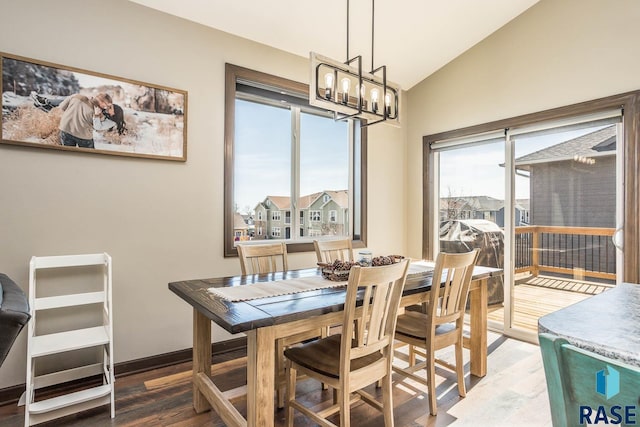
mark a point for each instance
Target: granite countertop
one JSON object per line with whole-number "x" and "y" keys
{"x": 607, "y": 324}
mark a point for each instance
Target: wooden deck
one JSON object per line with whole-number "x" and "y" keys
{"x": 541, "y": 295}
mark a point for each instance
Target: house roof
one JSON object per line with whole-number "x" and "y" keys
{"x": 280, "y": 202}
{"x": 478, "y": 203}
{"x": 523, "y": 204}
{"x": 306, "y": 201}
{"x": 341, "y": 197}
{"x": 238, "y": 222}
{"x": 594, "y": 144}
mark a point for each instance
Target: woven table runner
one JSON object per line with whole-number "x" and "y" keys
{"x": 273, "y": 289}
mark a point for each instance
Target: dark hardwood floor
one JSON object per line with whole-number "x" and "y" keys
{"x": 512, "y": 394}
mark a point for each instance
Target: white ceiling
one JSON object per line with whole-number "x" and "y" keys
{"x": 413, "y": 38}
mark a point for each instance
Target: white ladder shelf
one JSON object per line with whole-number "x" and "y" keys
{"x": 69, "y": 340}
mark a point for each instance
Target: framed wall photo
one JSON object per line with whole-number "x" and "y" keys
{"x": 53, "y": 106}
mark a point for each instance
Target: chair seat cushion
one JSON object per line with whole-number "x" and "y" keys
{"x": 414, "y": 324}
{"x": 323, "y": 356}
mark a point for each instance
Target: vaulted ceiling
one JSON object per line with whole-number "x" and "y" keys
{"x": 414, "y": 38}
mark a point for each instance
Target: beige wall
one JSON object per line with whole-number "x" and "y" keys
{"x": 160, "y": 221}
{"x": 557, "y": 53}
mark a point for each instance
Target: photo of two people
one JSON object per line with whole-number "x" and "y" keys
{"x": 49, "y": 106}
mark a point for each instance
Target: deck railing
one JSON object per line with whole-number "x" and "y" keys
{"x": 586, "y": 251}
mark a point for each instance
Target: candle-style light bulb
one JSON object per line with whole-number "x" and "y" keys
{"x": 374, "y": 100}
{"x": 346, "y": 84}
{"x": 360, "y": 92}
{"x": 387, "y": 104}
{"x": 328, "y": 85}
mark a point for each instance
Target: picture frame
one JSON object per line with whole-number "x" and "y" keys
{"x": 52, "y": 106}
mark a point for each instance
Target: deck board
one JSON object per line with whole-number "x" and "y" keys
{"x": 541, "y": 295}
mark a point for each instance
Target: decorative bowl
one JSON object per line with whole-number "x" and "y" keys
{"x": 338, "y": 271}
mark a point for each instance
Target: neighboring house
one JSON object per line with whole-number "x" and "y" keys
{"x": 248, "y": 219}
{"x": 328, "y": 214}
{"x": 260, "y": 221}
{"x": 573, "y": 183}
{"x": 482, "y": 207}
{"x": 273, "y": 218}
{"x": 522, "y": 213}
{"x": 240, "y": 227}
{"x": 320, "y": 214}
{"x": 471, "y": 207}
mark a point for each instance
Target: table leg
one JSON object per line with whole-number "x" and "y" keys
{"x": 201, "y": 358}
{"x": 478, "y": 340}
{"x": 260, "y": 378}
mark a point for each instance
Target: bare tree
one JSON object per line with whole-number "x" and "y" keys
{"x": 453, "y": 206}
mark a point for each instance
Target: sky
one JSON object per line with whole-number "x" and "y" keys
{"x": 475, "y": 170}
{"x": 260, "y": 172}
{"x": 262, "y": 154}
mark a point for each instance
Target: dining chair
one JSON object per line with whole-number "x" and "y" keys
{"x": 360, "y": 355}
{"x": 271, "y": 258}
{"x": 440, "y": 325}
{"x": 580, "y": 383}
{"x": 328, "y": 251}
{"x": 263, "y": 258}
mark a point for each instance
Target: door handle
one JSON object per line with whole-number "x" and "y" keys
{"x": 618, "y": 238}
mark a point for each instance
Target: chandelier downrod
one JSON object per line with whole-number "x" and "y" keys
{"x": 373, "y": 14}
{"x": 373, "y": 19}
{"x": 344, "y": 89}
{"x": 347, "y": 60}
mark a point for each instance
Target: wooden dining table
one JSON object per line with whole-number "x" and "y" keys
{"x": 264, "y": 320}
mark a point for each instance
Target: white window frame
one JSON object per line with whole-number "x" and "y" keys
{"x": 276, "y": 232}
{"x": 312, "y": 216}
{"x": 333, "y": 215}
{"x": 276, "y": 216}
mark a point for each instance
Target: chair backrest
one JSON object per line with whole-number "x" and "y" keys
{"x": 455, "y": 271}
{"x": 258, "y": 259}
{"x": 581, "y": 382}
{"x": 331, "y": 250}
{"x": 381, "y": 288}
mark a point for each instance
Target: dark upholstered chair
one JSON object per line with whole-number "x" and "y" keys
{"x": 14, "y": 314}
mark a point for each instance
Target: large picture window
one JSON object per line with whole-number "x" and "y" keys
{"x": 281, "y": 155}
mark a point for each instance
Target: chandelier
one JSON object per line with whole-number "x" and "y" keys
{"x": 342, "y": 87}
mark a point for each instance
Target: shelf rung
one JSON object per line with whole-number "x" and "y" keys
{"x": 66, "y": 375}
{"x": 68, "y": 260}
{"x": 69, "y": 300}
{"x": 70, "y": 399}
{"x": 43, "y": 345}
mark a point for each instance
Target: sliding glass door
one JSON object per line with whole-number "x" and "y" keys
{"x": 471, "y": 205}
{"x": 542, "y": 202}
{"x": 565, "y": 192}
